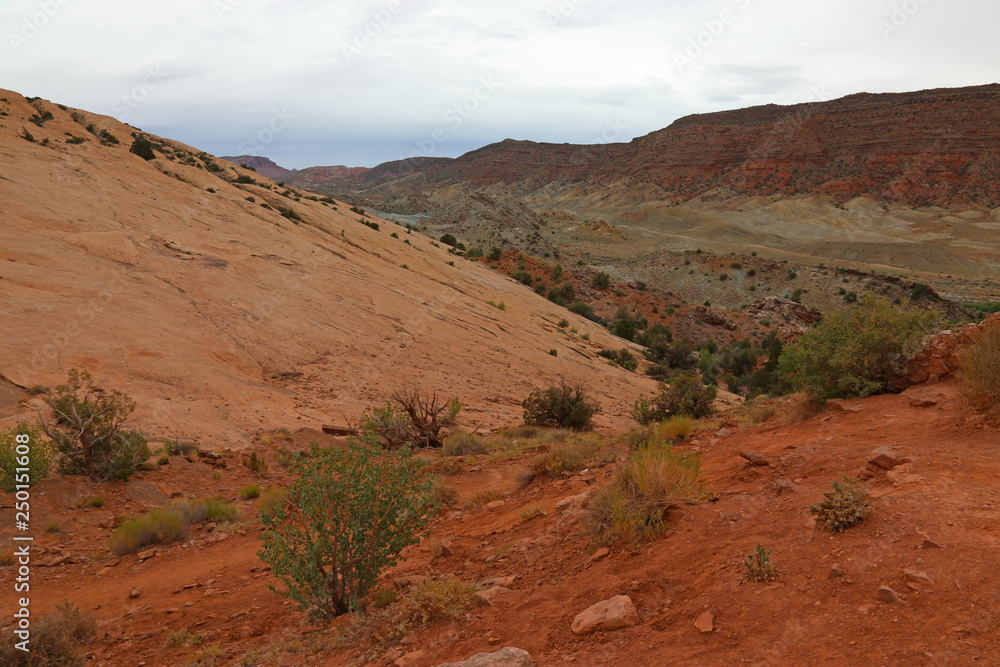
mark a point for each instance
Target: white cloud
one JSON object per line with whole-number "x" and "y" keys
{"x": 369, "y": 81}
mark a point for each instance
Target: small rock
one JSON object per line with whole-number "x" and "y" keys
{"x": 886, "y": 458}
{"x": 841, "y": 405}
{"x": 599, "y": 555}
{"x": 889, "y": 595}
{"x": 134, "y": 593}
{"x": 923, "y": 403}
{"x": 918, "y": 576}
{"x": 408, "y": 640}
{"x": 173, "y": 610}
{"x": 835, "y": 571}
{"x": 496, "y": 504}
{"x": 493, "y": 641}
{"x": 705, "y": 623}
{"x": 572, "y": 502}
{"x": 488, "y": 597}
{"x": 612, "y": 614}
{"x": 755, "y": 459}
{"x": 506, "y": 582}
{"x": 723, "y": 433}
{"x": 931, "y": 544}
{"x": 507, "y": 657}
{"x": 784, "y": 487}
{"x": 411, "y": 659}
{"x": 393, "y": 654}
{"x": 146, "y": 555}
{"x": 402, "y": 583}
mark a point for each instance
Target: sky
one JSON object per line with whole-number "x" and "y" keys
{"x": 309, "y": 82}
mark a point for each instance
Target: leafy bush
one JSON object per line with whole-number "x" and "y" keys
{"x": 89, "y": 429}
{"x": 562, "y": 294}
{"x": 143, "y": 147}
{"x": 854, "y": 352}
{"x": 562, "y": 405}
{"x": 55, "y": 639}
{"x": 355, "y": 508}
{"x": 600, "y": 280}
{"x": 847, "y": 505}
{"x": 687, "y": 395}
{"x": 523, "y": 277}
{"x": 758, "y": 567}
{"x": 449, "y": 239}
{"x": 979, "y": 373}
{"x": 460, "y": 443}
{"x": 35, "y": 458}
{"x": 632, "y": 507}
{"x": 627, "y": 325}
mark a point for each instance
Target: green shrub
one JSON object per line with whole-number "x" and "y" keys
{"x": 563, "y": 405}
{"x": 356, "y": 508}
{"x": 626, "y": 325}
{"x": 250, "y": 492}
{"x": 562, "y": 294}
{"x": 979, "y": 372}
{"x": 495, "y": 254}
{"x": 582, "y": 308}
{"x": 164, "y": 525}
{"x": 847, "y": 505}
{"x": 22, "y": 448}
{"x": 855, "y": 351}
{"x": 600, "y": 280}
{"x": 460, "y": 443}
{"x": 632, "y": 507}
{"x": 256, "y": 464}
{"x": 687, "y": 395}
{"x": 290, "y": 214}
{"x": 523, "y": 277}
{"x": 449, "y": 239}
{"x": 758, "y": 566}
{"x": 498, "y": 306}
{"x": 55, "y": 639}
{"x": 143, "y": 147}
{"x": 89, "y": 429}
{"x": 93, "y": 501}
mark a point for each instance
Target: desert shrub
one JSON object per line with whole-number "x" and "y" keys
{"x": 523, "y": 277}
{"x": 686, "y": 395}
{"x": 272, "y": 497}
{"x": 498, "y": 306}
{"x": 600, "y": 280}
{"x": 758, "y": 566}
{"x": 449, "y": 239}
{"x": 431, "y": 601}
{"x": 495, "y": 254}
{"x": 55, "y": 639}
{"x": 93, "y": 501}
{"x": 89, "y": 431}
{"x": 445, "y": 465}
{"x": 183, "y": 637}
{"x": 256, "y": 464}
{"x": 676, "y": 428}
{"x": 847, "y": 505}
{"x": 979, "y": 372}
{"x": 562, "y": 294}
{"x": 802, "y": 406}
{"x": 355, "y": 508}
{"x": 529, "y": 513}
{"x": 411, "y": 418}
{"x": 632, "y": 507}
{"x": 582, "y": 308}
{"x": 621, "y": 357}
{"x": 562, "y": 405}
{"x": 290, "y": 214}
{"x": 460, "y": 443}
{"x": 143, "y": 147}
{"x": 205, "y": 657}
{"x": 250, "y": 492}
{"x": 521, "y": 432}
{"x": 22, "y": 448}
{"x": 442, "y": 495}
{"x": 559, "y": 459}
{"x": 854, "y": 351}
{"x": 626, "y": 325}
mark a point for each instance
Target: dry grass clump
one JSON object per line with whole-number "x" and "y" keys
{"x": 979, "y": 373}
{"x": 442, "y": 466}
{"x": 55, "y": 639}
{"x": 430, "y": 601}
{"x": 632, "y": 507}
{"x": 164, "y": 525}
{"x": 847, "y": 505}
{"x": 272, "y": 497}
{"x": 460, "y": 443}
{"x": 802, "y": 406}
{"x": 483, "y": 498}
{"x": 443, "y": 495}
{"x": 250, "y": 492}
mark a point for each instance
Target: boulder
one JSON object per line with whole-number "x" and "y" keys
{"x": 613, "y": 614}
{"x": 507, "y": 657}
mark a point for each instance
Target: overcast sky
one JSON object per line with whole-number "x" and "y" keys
{"x": 314, "y": 82}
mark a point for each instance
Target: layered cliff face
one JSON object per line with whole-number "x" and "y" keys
{"x": 939, "y": 147}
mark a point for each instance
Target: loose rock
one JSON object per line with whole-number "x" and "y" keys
{"x": 705, "y": 623}
{"x": 612, "y": 614}
{"x": 755, "y": 459}
{"x": 889, "y": 595}
{"x": 918, "y": 576}
{"x": 488, "y": 597}
{"x": 783, "y": 487}
{"x": 507, "y": 657}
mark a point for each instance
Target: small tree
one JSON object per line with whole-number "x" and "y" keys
{"x": 89, "y": 429}
{"x": 563, "y": 405}
{"x": 352, "y": 510}
{"x": 855, "y": 351}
